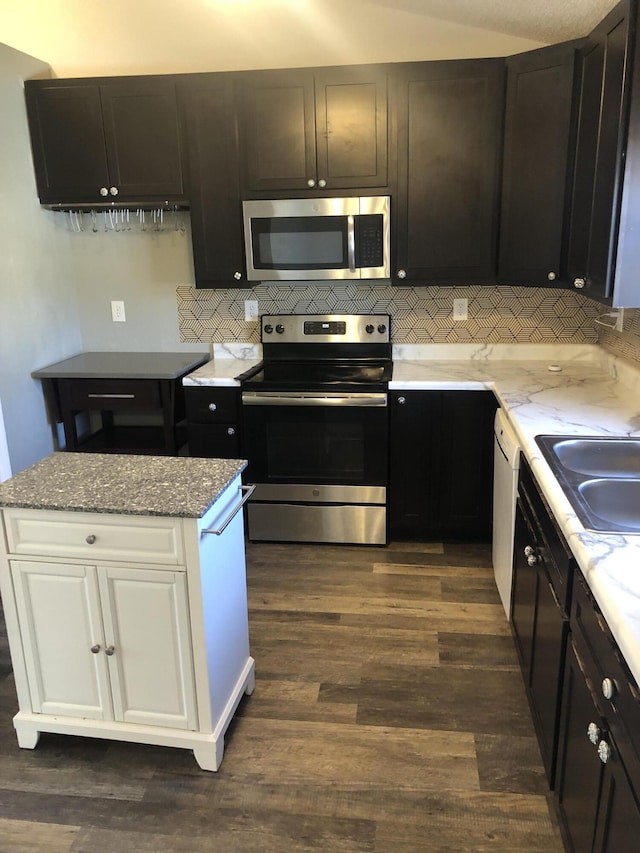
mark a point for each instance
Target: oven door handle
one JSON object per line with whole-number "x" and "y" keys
{"x": 264, "y": 398}
{"x": 351, "y": 243}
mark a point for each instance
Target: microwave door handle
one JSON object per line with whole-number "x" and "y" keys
{"x": 351, "y": 243}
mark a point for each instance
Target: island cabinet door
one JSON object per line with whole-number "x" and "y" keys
{"x": 148, "y": 646}
{"x": 62, "y": 639}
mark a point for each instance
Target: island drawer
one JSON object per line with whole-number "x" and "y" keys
{"x": 208, "y": 405}
{"x": 94, "y": 536}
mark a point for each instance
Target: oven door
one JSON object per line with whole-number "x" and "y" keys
{"x": 328, "y": 439}
{"x": 319, "y": 462}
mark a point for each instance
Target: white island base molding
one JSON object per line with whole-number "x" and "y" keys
{"x": 208, "y": 747}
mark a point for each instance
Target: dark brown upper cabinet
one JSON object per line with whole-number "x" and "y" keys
{"x": 315, "y": 130}
{"x": 105, "y": 140}
{"x": 449, "y": 144}
{"x": 537, "y": 149}
{"x": 209, "y": 122}
{"x": 600, "y": 260}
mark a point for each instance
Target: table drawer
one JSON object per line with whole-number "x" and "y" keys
{"x": 94, "y": 536}
{"x": 110, "y": 393}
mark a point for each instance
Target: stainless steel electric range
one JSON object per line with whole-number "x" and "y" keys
{"x": 315, "y": 426}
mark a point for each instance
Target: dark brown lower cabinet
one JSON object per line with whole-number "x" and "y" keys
{"x": 213, "y": 416}
{"x": 539, "y": 618}
{"x": 441, "y": 465}
{"x": 598, "y": 768}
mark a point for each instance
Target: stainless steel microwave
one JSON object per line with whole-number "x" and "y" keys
{"x": 312, "y": 239}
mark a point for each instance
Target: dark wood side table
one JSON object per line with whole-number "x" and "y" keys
{"x": 135, "y": 383}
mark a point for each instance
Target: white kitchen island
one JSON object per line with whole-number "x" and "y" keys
{"x": 124, "y": 590}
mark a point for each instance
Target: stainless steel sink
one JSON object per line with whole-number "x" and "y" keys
{"x": 600, "y": 477}
{"x": 600, "y": 457}
{"x": 614, "y": 501}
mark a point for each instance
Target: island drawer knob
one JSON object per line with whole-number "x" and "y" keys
{"x": 90, "y": 539}
{"x": 212, "y": 407}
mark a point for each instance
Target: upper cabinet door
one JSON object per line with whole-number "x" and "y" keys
{"x": 351, "y": 122}
{"x": 67, "y": 140}
{"x": 449, "y": 145}
{"x": 99, "y": 142}
{"x": 314, "y": 131}
{"x": 143, "y": 138}
{"x": 599, "y": 159}
{"x": 209, "y": 120}
{"x": 278, "y": 130}
{"x": 537, "y": 138}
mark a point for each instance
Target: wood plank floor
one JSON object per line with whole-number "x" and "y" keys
{"x": 389, "y": 716}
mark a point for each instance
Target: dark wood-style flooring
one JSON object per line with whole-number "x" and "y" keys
{"x": 389, "y": 716}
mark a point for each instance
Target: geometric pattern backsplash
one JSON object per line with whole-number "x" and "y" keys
{"x": 419, "y": 314}
{"x": 627, "y": 343}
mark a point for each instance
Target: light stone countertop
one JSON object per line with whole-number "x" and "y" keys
{"x": 593, "y": 393}
{"x": 183, "y": 487}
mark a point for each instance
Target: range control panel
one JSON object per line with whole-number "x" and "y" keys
{"x": 326, "y": 328}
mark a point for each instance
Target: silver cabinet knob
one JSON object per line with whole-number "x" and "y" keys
{"x": 95, "y": 649}
{"x": 604, "y": 751}
{"x": 402, "y": 401}
{"x": 109, "y": 650}
{"x": 608, "y": 688}
{"x": 593, "y": 733}
{"x": 104, "y": 191}
{"x": 237, "y": 275}
{"x": 579, "y": 283}
{"x": 402, "y": 273}
{"x": 551, "y": 276}
{"x": 212, "y": 407}
{"x": 311, "y": 183}
{"x": 533, "y": 560}
{"x": 113, "y": 191}
{"x": 90, "y": 539}
{"x": 231, "y": 431}
{"x": 528, "y": 550}
{"x": 322, "y": 183}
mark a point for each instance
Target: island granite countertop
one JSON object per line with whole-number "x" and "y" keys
{"x": 124, "y": 484}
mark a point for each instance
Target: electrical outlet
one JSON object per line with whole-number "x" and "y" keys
{"x": 460, "y": 309}
{"x": 250, "y": 309}
{"x": 117, "y": 311}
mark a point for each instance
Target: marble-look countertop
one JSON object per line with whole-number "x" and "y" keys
{"x": 592, "y": 393}
{"x": 182, "y": 487}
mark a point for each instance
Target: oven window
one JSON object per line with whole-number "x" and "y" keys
{"x": 334, "y": 451}
{"x": 299, "y": 242}
{"x": 315, "y": 445}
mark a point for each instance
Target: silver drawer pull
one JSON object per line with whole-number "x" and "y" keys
{"x": 109, "y": 650}
{"x": 248, "y": 490}
{"x": 95, "y": 649}
{"x": 90, "y": 539}
{"x": 112, "y": 396}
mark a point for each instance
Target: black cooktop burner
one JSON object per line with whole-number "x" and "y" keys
{"x": 314, "y": 375}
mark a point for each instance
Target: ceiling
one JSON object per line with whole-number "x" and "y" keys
{"x": 89, "y": 38}
{"x": 549, "y": 21}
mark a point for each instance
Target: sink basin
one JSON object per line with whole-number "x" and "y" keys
{"x": 600, "y": 477}
{"x": 619, "y": 457}
{"x": 614, "y": 501}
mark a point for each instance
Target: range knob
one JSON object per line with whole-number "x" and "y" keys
{"x": 369, "y": 329}
{"x": 382, "y": 328}
{"x": 268, "y": 329}
{"x": 279, "y": 328}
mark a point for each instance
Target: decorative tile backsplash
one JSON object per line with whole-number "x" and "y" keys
{"x": 419, "y": 314}
{"x": 625, "y": 344}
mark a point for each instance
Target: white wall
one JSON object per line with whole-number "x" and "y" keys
{"x": 39, "y": 318}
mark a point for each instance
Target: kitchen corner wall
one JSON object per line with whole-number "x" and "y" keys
{"x": 625, "y": 344}
{"x": 420, "y": 314}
